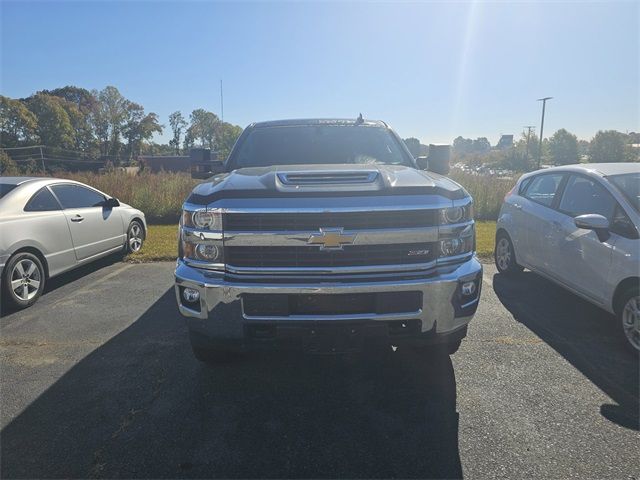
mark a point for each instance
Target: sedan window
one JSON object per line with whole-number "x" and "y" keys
{"x": 583, "y": 195}
{"x": 76, "y": 196}
{"x": 543, "y": 188}
{"x": 6, "y": 188}
{"x": 42, "y": 201}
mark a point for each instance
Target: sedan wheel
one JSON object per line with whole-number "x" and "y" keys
{"x": 135, "y": 237}
{"x": 631, "y": 321}
{"x": 23, "y": 280}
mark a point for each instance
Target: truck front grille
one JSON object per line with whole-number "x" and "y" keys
{"x": 263, "y": 222}
{"x": 312, "y": 256}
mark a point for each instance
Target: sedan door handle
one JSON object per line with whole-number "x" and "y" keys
{"x": 77, "y": 218}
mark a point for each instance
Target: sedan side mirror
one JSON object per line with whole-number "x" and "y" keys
{"x": 111, "y": 202}
{"x": 597, "y": 223}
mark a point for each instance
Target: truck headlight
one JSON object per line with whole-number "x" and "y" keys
{"x": 205, "y": 219}
{"x": 459, "y": 241}
{"x": 458, "y": 214}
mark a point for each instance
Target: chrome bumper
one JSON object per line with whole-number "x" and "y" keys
{"x": 219, "y": 312}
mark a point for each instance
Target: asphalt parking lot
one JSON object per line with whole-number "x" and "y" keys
{"x": 98, "y": 380}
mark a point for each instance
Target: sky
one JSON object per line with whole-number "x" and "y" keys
{"x": 432, "y": 70}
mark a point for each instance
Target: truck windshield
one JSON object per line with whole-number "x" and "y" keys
{"x": 319, "y": 144}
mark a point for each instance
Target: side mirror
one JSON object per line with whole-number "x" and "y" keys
{"x": 111, "y": 202}
{"x": 597, "y": 223}
{"x": 206, "y": 169}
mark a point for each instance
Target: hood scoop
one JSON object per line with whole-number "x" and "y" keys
{"x": 321, "y": 180}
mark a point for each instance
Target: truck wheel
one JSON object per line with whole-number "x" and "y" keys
{"x": 505, "y": 255}
{"x": 23, "y": 279}
{"x": 205, "y": 352}
{"x": 628, "y": 319}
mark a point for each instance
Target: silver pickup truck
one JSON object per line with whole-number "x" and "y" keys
{"x": 325, "y": 235}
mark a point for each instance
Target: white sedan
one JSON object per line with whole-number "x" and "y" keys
{"x": 49, "y": 226}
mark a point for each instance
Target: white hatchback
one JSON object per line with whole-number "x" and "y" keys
{"x": 577, "y": 225}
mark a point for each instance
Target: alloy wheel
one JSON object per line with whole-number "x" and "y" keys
{"x": 631, "y": 321}
{"x": 135, "y": 237}
{"x": 25, "y": 279}
{"x": 503, "y": 253}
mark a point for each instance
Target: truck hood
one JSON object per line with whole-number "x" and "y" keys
{"x": 324, "y": 180}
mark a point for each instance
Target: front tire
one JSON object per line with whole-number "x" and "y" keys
{"x": 628, "y": 319}
{"x": 505, "y": 255}
{"x": 135, "y": 237}
{"x": 23, "y": 280}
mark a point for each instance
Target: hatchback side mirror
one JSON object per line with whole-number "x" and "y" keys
{"x": 595, "y": 222}
{"x": 111, "y": 202}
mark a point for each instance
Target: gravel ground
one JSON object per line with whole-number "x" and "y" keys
{"x": 97, "y": 380}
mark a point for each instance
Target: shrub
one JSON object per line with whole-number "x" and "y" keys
{"x": 487, "y": 192}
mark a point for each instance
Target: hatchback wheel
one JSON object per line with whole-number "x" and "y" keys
{"x": 23, "y": 280}
{"x": 505, "y": 255}
{"x": 629, "y": 319}
{"x": 135, "y": 237}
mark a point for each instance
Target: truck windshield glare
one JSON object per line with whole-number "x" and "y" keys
{"x": 319, "y": 144}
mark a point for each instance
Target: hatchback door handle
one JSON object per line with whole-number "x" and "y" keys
{"x": 518, "y": 206}
{"x": 77, "y": 218}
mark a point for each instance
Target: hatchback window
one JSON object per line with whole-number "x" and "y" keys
{"x": 543, "y": 188}
{"x": 76, "y": 196}
{"x": 583, "y": 195}
{"x": 42, "y": 201}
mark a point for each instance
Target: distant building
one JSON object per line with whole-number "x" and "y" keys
{"x": 506, "y": 141}
{"x": 168, "y": 163}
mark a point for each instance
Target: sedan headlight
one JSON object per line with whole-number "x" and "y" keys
{"x": 458, "y": 214}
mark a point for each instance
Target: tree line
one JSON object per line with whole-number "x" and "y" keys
{"x": 103, "y": 124}
{"x": 562, "y": 148}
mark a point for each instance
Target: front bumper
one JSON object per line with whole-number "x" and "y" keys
{"x": 220, "y": 316}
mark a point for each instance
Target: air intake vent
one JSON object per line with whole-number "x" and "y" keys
{"x": 327, "y": 178}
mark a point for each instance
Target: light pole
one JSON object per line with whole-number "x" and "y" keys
{"x": 544, "y": 104}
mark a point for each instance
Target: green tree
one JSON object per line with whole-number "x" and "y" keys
{"x": 138, "y": 128}
{"x": 204, "y": 127}
{"x": 413, "y": 144}
{"x": 7, "y": 165}
{"x": 563, "y": 148}
{"x": 17, "y": 123}
{"x": 607, "y": 146}
{"x": 227, "y": 138}
{"x": 109, "y": 119}
{"x": 481, "y": 145}
{"x": 178, "y": 124}
{"x": 54, "y": 126}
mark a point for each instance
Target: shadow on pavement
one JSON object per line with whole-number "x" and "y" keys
{"x": 582, "y": 333}
{"x": 141, "y": 406}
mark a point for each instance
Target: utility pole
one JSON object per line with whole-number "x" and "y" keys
{"x": 529, "y": 128}
{"x": 544, "y": 104}
{"x": 44, "y": 170}
{"x": 221, "y": 103}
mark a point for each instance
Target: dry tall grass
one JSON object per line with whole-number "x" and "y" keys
{"x": 487, "y": 192}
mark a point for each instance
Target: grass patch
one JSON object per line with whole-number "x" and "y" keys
{"x": 162, "y": 243}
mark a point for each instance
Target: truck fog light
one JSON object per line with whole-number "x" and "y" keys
{"x": 191, "y": 295}
{"x": 207, "y": 251}
{"x": 468, "y": 288}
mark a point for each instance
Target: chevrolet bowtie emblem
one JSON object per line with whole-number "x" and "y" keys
{"x": 331, "y": 239}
